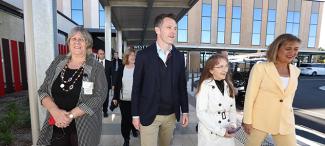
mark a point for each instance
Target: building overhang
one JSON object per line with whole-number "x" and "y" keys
{"x": 135, "y": 18}
{"x": 203, "y": 47}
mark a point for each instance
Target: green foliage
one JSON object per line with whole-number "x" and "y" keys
{"x": 6, "y": 137}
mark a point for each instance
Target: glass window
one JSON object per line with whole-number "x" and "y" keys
{"x": 182, "y": 24}
{"x": 270, "y": 27}
{"x": 182, "y": 29}
{"x": 269, "y": 39}
{"x": 312, "y": 30}
{"x": 221, "y": 37}
{"x": 235, "y": 38}
{"x": 205, "y": 38}
{"x": 206, "y": 24}
{"x": 182, "y": 36}
{"x": 313, "y": 25}
{"x": 271, "y": 15}
{"x": 235, "y": 22}
{"x": 296, "y": 17}
{"x": 77, "y": 11}
{"x": 235, "y": 26}
{"x": 293, "y": 17}
{"x": 206, "y": 10}
{"x": 206, "y": 21}
{"x": 256, "y": 39}
{"x": 311, "y": 42}
{"x": 76, "y": 4}
{"x": 236, "y": 12}
{"x": 222, "y": 11}
{"x": 77, "y": 16}
{"x": 221, "y": 22}
{"x": 257, "y": 14}
{"x": 101, "y": 17}
{"x": 314, "y": 18}
{"x": 290, "y": 17}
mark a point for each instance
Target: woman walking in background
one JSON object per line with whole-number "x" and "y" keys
{"x": 123, "y": 96}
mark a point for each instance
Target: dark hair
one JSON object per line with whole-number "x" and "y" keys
{"x": 211, "y": 62}
{"x": 160, "y": 18}
{"x": 272, "y": 51}
{"x": 101, "y": 49}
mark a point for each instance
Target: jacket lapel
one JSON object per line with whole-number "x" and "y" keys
{"x": 291, "y": 80}
{"x": 272, "y": 73}
{"x": 214, "y": 88}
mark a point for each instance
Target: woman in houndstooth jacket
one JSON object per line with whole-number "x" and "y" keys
{"x": 73, "y": 93}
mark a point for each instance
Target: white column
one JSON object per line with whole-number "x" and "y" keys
{"x": 119, "y": 43}
{"x": 125, "y": 46}
{"x": 108, "y": 33}
{"x": 40, "y": 38}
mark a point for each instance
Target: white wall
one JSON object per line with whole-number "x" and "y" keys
{"x": 11, "y": 27}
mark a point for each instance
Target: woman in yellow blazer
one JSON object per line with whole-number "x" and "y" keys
{"x": 270, "y": 92}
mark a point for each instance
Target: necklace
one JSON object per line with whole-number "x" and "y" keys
{"x": 64, "y": 83}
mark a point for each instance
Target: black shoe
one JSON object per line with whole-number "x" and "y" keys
{"x": 126, "y": 143}
{"x": 105, "y": 115}
{"x": 135, "y": 133}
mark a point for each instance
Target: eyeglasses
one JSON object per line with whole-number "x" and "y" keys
{"x": 221, "y": 67}
{"x": 80, "y": 40}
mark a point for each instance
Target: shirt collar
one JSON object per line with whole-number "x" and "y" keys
{"x": 160, "y": 50}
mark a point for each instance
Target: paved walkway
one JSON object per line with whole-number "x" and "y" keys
{"x": 111, "y": 135}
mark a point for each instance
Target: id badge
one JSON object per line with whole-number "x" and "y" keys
{"x": 88, "y": 87}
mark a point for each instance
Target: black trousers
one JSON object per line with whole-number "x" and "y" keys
{"x": 65, "y": 136}
{"x": 126, "y": 120}
{"x": 105, "y": 105}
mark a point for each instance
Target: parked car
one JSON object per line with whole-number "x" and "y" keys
{"x": 312, "y": 69}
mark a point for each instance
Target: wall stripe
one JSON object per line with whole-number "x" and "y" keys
{"x": 15, "y": 65}
{"x": 7, "y": 65}
{"x": 2, "y": 83}
{"x": 23, "y": 68}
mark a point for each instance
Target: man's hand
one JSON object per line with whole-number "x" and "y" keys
{"x": 115, "y": 102}
{"x": 136, "y": 123}
{"x": 185, "y": 119}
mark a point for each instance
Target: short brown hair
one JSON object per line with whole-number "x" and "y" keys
{"x": 160, "y": 18}
{"x": 126, "y": 56}
{"x": 281, "y": 40}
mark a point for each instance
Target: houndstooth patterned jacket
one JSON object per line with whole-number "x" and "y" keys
{"x": 88, "y": 126}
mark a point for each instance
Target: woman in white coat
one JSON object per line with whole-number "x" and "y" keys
{"x": 215, "y": 104}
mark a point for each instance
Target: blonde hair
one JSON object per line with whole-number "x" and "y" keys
{"x": 85, "y": 34}
{"x": 280, "y": 41}
{"x": 126, "y": 56}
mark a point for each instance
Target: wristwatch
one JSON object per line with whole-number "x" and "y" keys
{"x": 71, "y": 116}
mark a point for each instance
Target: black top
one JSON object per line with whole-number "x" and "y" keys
{"x": 166, "y": 104}
{"x": 221, "y": 85}
{"x": 67, "y": 100}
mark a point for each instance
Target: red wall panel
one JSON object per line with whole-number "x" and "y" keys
{"x": 15, "y": 65}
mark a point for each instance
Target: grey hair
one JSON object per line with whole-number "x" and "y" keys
{"x": 85, "y": 34}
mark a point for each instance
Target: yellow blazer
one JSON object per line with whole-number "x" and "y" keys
{"x": 268, "y": 106}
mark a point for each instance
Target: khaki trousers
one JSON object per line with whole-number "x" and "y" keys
{"x": 160, "y": 131}
{"x": 257, "y": 137}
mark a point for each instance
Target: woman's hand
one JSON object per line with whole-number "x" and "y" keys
{"x": 61, "y": 117}
{"x": 247, "y": 128}
{"x": 228, "y": 135}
